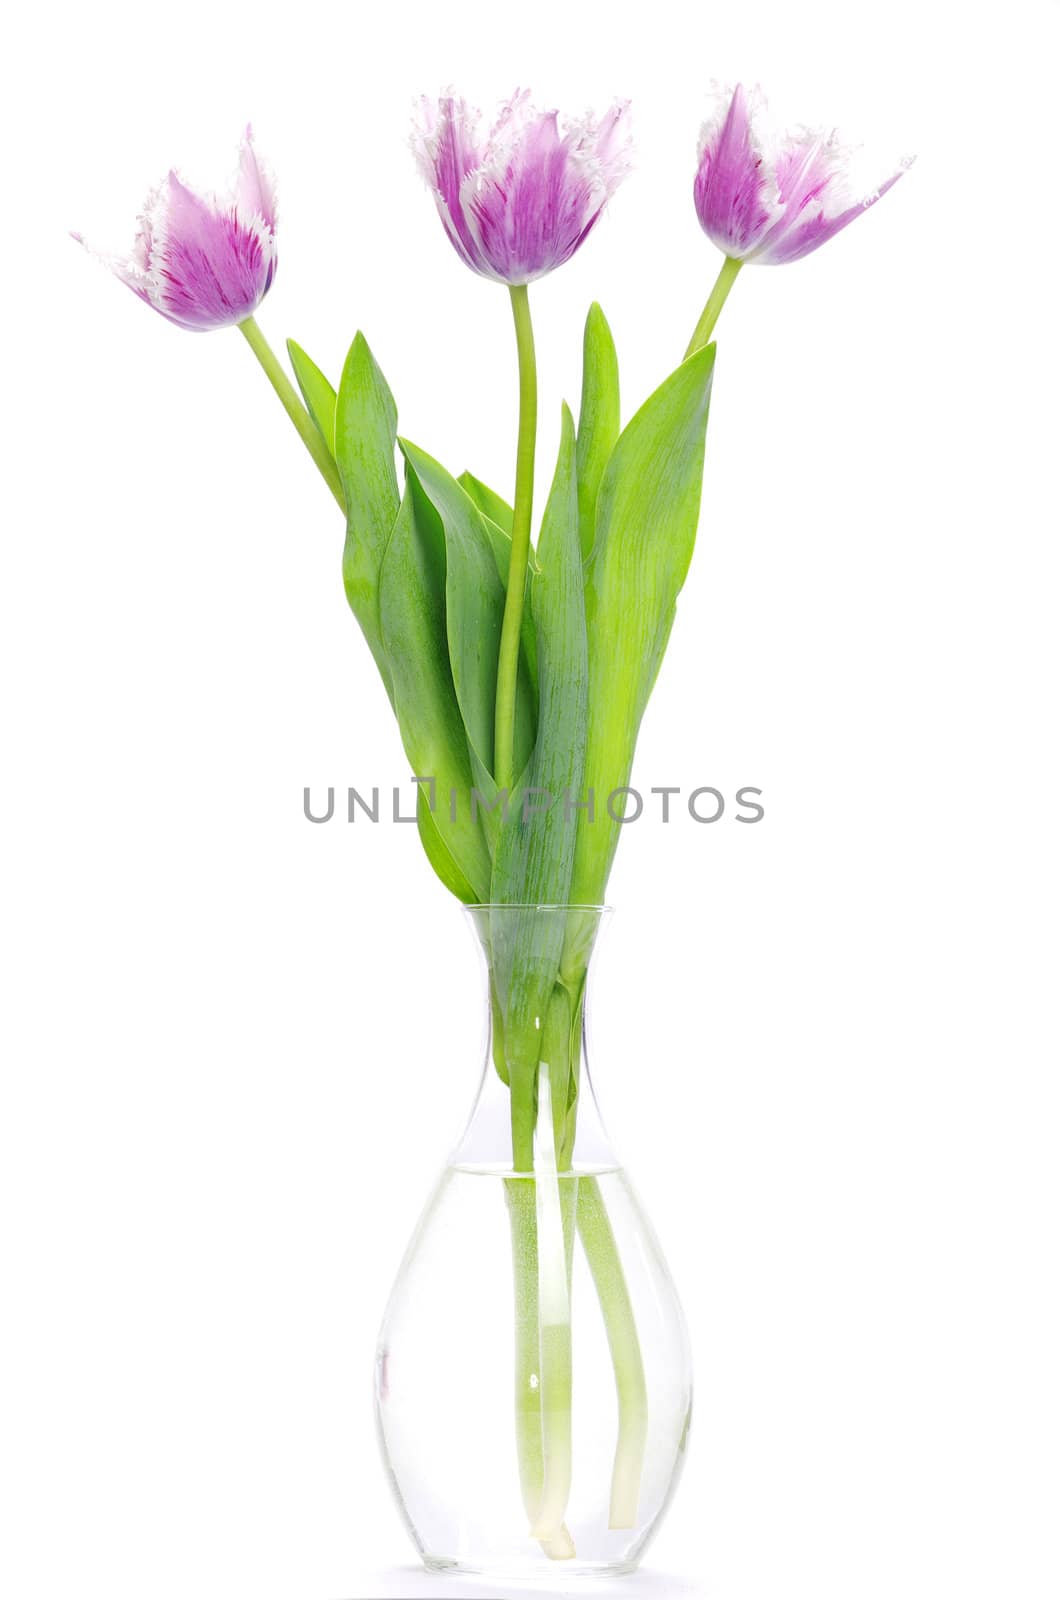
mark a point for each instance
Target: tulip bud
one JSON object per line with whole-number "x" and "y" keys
{"x": 519, "y": 200}
{"x": 200, "y": 261}
{"x": 771, "y": 199}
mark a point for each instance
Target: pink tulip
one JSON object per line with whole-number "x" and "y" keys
{"x": 205, "y": 262}
{"x": 770, "y": 200}
{"x": 518, "y": 200}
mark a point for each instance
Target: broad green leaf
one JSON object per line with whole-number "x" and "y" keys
{"x": 412, "y": 623}
{"x": 365, "y": 440}
{"x": 488, "y": 501}
{"x": 317, "y": 393}
{"x": 501, "y": 545}
{"x": 474, "y": 613}
{"x": 438, "y": 852}
{"x": 474, "y": 600}
{"x": 497, "y": 518}
{"x": 646, "y": 518}
{"x": 536, "y": 857}
{"x": 598, "y": 419}
{"x": 536, "y": 854}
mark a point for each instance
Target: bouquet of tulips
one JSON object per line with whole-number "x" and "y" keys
{"x": 519, "y": 670}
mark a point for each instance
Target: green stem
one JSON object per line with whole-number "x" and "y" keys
{"x": 544, "y": 1131}
{"x": 601, "y": 1252}
{"x": 522, "y": 516}
{"x": 554, "y": 1256}
{"x": 715, "y": 300}
{"x": 542, "y": 1203}
{"x": 530, "y": 1354}
{"x": 569, "y": 1128}
{"x": 522, "y": 1217}
{"x": 294, "y": 408}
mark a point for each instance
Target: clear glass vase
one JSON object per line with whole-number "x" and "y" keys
{"x": 533, "y": 1379}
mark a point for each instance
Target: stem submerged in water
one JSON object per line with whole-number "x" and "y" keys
{"x": 536, "y": 1366}
{"x": 605, "y": 1264}
{"x": 555, "y": 1235}
{"x": 539, "y": 1060}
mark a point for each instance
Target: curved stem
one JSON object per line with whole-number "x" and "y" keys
{"x": 605, "y": 1264}
{"x": 307, "y": 428}
{"x": 522, "y": 516}
{"x": 712, "y": 310}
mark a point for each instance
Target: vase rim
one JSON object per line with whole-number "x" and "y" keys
{"x": 534, "y": 905}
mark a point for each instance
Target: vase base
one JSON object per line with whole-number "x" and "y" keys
{"x": 543, "y": 1571}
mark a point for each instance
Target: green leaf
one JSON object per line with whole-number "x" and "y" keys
{"x": 646, "y": 518}
{"x": 535, "y": 858}
{"x": 474, "y": 600}
{"x": 489, "y": 503}
{"x": 497, "y": 521}
{"x": 598, "y": 419}
{"x": 365, "y": 440}
{"x": 317, "y": 393}
{"x": 439, "y": 852}
{"x": 412, "y": 620}
{"x": 475, "y": 592}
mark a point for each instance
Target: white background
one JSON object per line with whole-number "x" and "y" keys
{"x": 236, "y": 1047}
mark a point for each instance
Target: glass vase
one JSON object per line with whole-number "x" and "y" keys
{"x": 533, "y": 1379}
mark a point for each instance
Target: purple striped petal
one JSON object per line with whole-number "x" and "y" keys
{"x": 201, "y": 262}
{"x": 519, "y": 201}
{"x": 446, "y": 145}
{"x": 774, "y": 207}
{"x": 734, "y": 189}
{"x": 255, "y": 194}
{"x": 815, "y": 223}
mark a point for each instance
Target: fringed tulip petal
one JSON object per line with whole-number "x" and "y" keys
{"x": 199, "y": 261}
{"x": 735, "y": 192}
{"x": 815, "y": 226}
{"x": 772, "y": 200}
{"x": 518, "y": 201}
{"x": 255, "y": 194}
{"x": 445, "y": 144}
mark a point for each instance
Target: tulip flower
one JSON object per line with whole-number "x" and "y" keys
{"x": 768, "y": 199}
{"x": 516, "y": 202}
{"x": 204, "y": 262}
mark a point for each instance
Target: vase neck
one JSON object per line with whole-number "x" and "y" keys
{"x": 536, "y": 1109}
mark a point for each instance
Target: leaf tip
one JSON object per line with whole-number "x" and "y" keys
{"x": 705, "y": 355}
{"x": 359, "y": 355}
